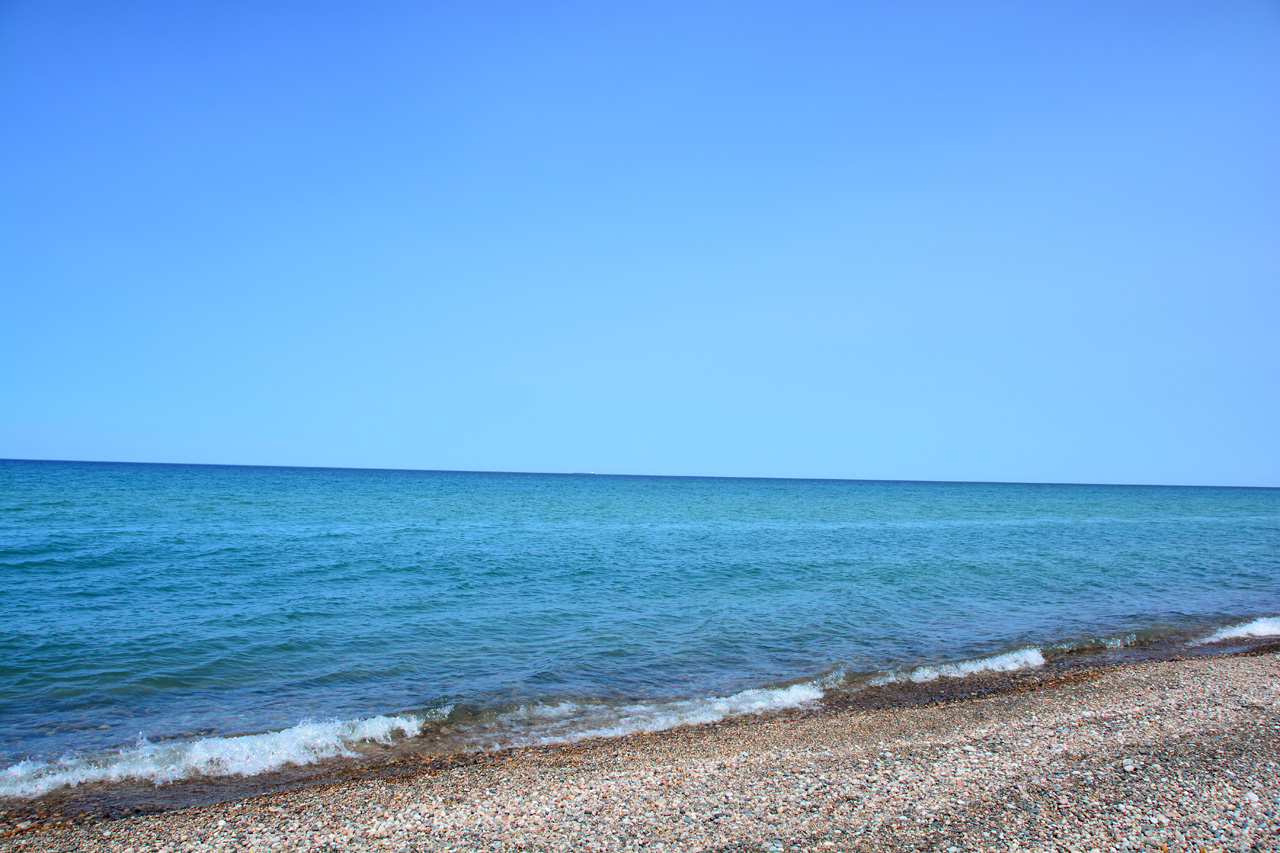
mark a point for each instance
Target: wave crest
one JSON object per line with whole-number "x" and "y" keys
{"x": 1264, "y": 626}
{"x": 311, "y": 742}
{"x": 240, "y": 755}
{"x": 1027, "y": 658}
{"x": 569, "y": 722}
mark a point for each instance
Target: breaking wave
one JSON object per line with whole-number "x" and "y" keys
{"x": 531, "y": 724}
{"x": 1094, "y": 644}
{"x": 240, "y": 755}
{"x": 568, "y": 722}
{"x": 1265, "y": 626}
{"x": 310, "y": 742}
{"x": 1027, "y": 658}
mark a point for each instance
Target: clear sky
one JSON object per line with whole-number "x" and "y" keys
{"x": 1034, "y": 241}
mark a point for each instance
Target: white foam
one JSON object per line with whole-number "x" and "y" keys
{"x": 568, "y": 722}
{"x": 242, "y": 755}
{"x": 1028, "y": 658}
{"x": 1265, "y": 626}
{"x": 307, "y": 743}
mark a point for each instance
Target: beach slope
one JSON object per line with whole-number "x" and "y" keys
{"x": 1174, "y": 754}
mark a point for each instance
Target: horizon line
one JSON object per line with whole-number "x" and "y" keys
{"x": 665, "y": 476}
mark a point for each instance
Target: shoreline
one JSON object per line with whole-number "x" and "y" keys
{"x": 897, "y": 767}
{"x": 319, "y": 757}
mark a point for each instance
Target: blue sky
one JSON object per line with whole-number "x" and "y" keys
{"x": 958, "y": 241}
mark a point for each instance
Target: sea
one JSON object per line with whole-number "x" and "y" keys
{"x": 162, "y": 623}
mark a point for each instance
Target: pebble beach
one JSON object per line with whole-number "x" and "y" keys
{"x": 1154, "y": 755}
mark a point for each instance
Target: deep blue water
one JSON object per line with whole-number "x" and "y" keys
{"x": 176, "y": 602}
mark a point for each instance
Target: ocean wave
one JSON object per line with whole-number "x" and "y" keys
{"x": 1265, "y": 626}
{"x": 531, "y": 724}
{"x": 1027, "y": 658}
{"x": 311, "y": 742}
{"x": 1093, "y": 644}
{"x": 569, "y": 722}
{"x": 240, "y": 755}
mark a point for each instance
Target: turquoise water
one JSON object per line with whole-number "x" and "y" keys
{"x": 151, "y": 613}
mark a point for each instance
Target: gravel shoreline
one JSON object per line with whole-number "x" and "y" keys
{"x": 1154, "y": 755}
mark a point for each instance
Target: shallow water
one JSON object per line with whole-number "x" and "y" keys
{"x": 183, "y": 604}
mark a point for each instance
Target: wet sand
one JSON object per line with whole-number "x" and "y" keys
{"x": 1180, "y": 754}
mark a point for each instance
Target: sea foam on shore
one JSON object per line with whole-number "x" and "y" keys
{"x": 1266, "y": 626}
{"x": 1027, "y": 658}
{"x": 530, "y": 724}
{"x": 1070, "y": 764}
{"x": 242, "y": 755}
